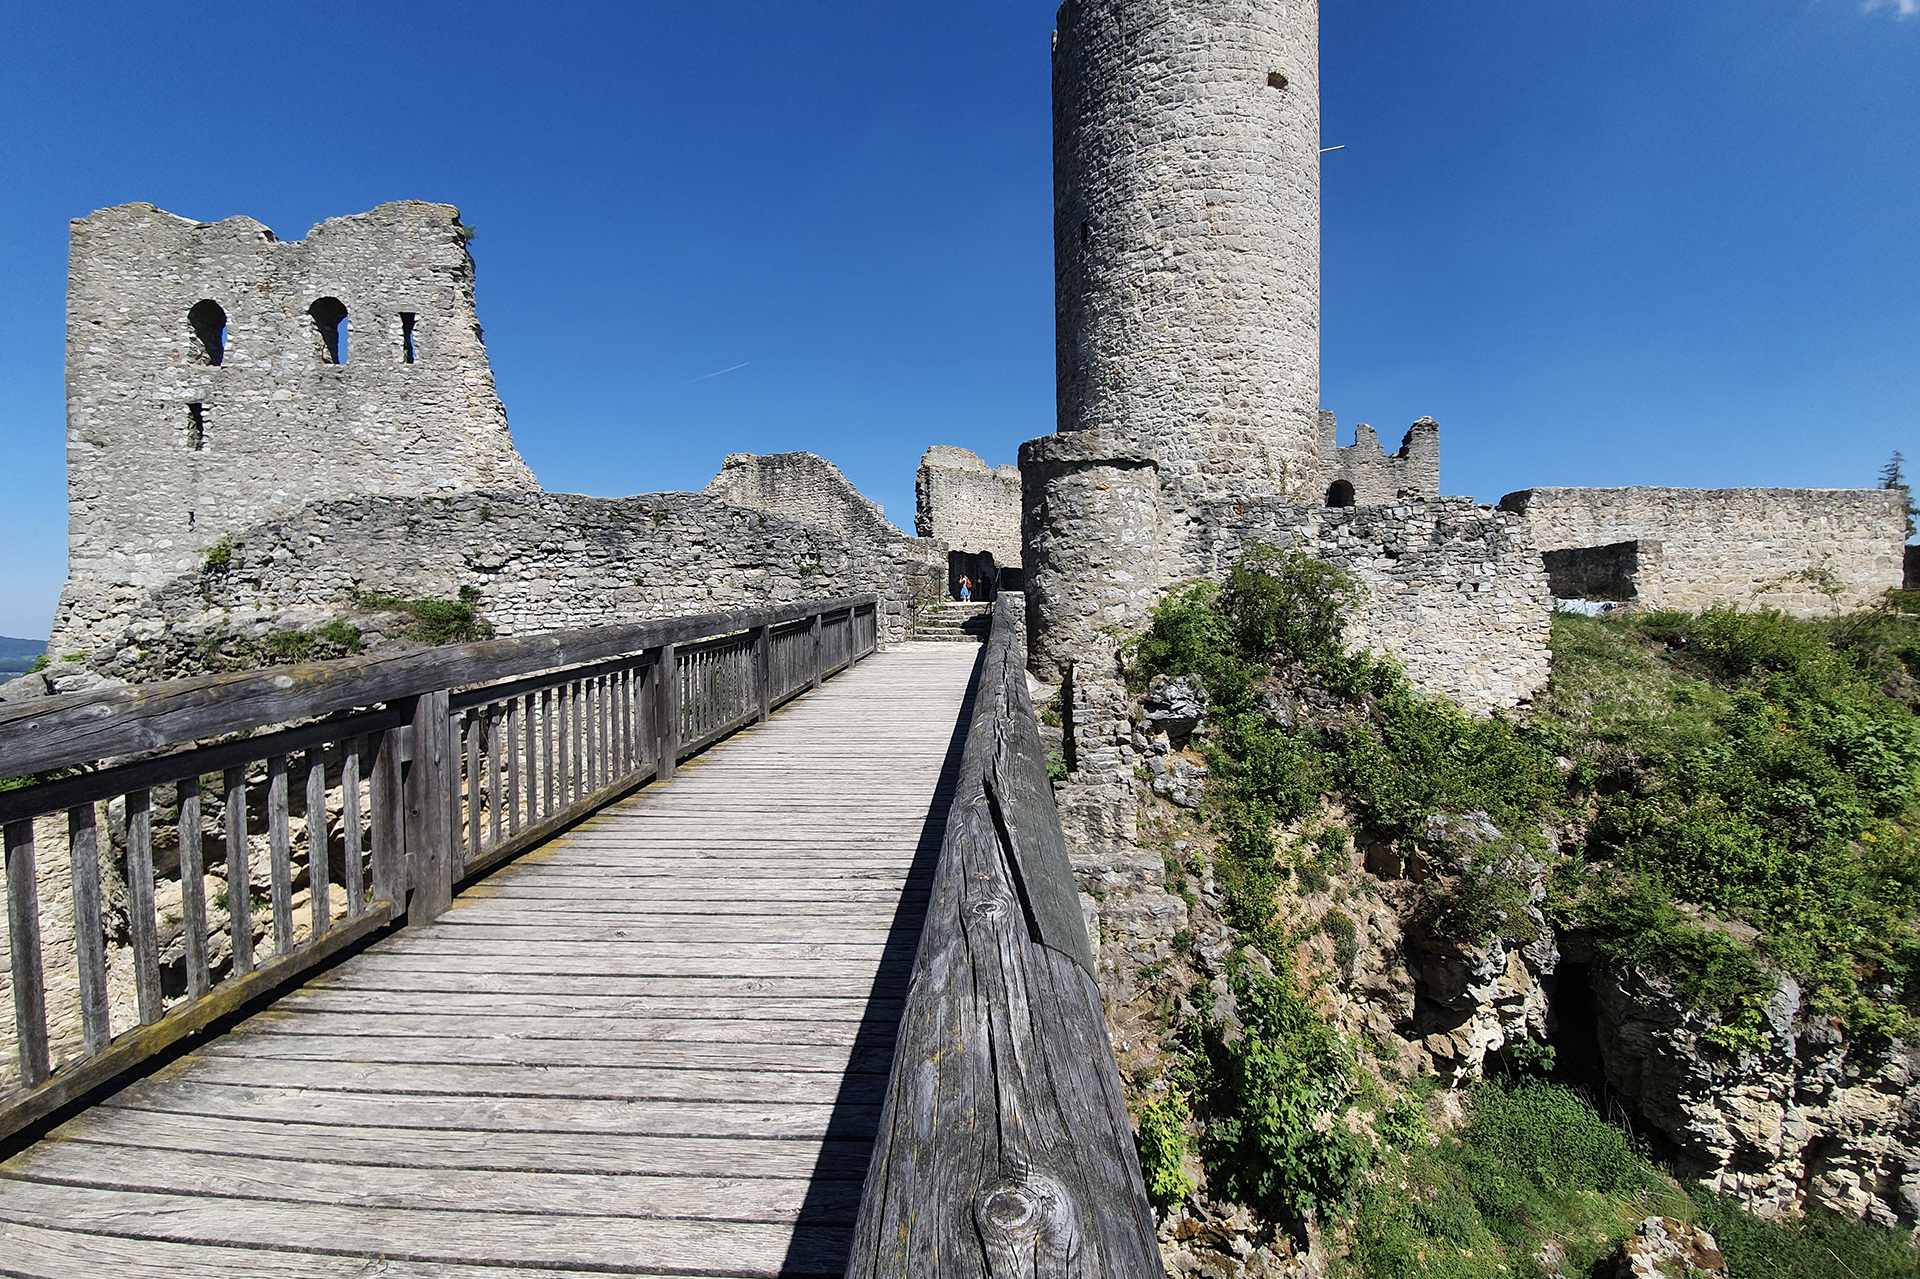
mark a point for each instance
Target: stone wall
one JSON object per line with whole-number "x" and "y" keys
{"x": 1455, "y": 591}
{"x": 967, "y": 504}
{"x": 1187, "y": 236}
{"x": 809, "y": 490}
{"x": 531, "y": 562}
{"x": 1363, "y": 474}
{"x": 203, "y": 396}
{"x": 1787, "y": 548}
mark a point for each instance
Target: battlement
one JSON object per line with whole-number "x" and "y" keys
{"x": 1364, "y": 474}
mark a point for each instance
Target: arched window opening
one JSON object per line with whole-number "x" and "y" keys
{"x": 330, "y": 318}
{"x": 209, "y": 321}
{"x": 1339, "y": 493}
{"x": 406, "y": 333}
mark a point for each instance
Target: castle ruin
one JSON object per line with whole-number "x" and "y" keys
{"x": 268, "y": 436}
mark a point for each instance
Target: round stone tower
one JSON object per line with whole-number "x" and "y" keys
{"x": 1186, "y": 185}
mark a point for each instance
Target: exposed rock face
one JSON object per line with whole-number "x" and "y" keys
{"x": 1804, "y": 1118}
{"x": 1662, "y": 1248}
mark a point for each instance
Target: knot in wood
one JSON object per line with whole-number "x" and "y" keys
{"x": 1012, "y": 1209}
{"x": 991, "y": 907}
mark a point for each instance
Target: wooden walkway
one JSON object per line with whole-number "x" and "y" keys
{"x": 657, "y": 1045}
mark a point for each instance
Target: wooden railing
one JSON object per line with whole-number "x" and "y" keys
{"x": 1004, "y": 1147}
{"x": 403, "y": 775}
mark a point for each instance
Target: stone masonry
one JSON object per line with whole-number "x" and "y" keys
{"x": 264, "y": 436}
{"x": 1810, "y": 552}
{"x": 530, "y": 562}
{"x": 970, "y": 506}
{"x": 218, "y": 377}
{"x": 1187, "y": 237}
{"x": 1370, "y": 475}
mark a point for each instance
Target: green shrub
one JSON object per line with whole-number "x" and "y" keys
{"x": 220, "y": 554}
{"x": 1163, "y": 1145}
{"x": 1275, "y": 1139}
{"x": 1822, "y": 1244}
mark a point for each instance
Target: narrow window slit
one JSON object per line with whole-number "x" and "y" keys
{"x": 196, "y": 427}
{"x": 406, "y": 334}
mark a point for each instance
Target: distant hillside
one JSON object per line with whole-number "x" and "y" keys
{"x": 16, "y": 655}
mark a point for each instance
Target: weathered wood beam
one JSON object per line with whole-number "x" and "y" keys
{"x": 1004, "y": 1147}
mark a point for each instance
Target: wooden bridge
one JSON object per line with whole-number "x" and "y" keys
{"x": 720, "y": 946}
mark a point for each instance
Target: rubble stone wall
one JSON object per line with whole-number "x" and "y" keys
{"x": 1373, "y": 477}
{"x": 807, "y": 489}
{"x": 538, "y": 562}
{"x": 1744, "y": 547}
{"x": 1455, "y": 591}
{"x": 179, "y": 433}
{"x": 967, "y": 504}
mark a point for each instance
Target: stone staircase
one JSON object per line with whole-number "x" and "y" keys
{"x": 954, "y": 622}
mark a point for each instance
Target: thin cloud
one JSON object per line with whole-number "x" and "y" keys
{"x": 1901, "y": 8}
{"x": 743, "y": 364}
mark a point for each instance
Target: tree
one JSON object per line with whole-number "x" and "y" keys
{"x": 1892, "y": 477}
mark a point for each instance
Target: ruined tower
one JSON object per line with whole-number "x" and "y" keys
{"x": 218, "y": 377}
{"x": 1187, "y": 237}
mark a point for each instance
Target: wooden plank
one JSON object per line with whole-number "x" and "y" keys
{"x": 142, "y": 926}
{"x": 280, "y": 855}
{"x": 254, "y": 1180}
{"x": 508, "y": 1024}
{"x": 64, "y": 1254}
{"x": 770, "y": 1120}
{"x": 319, "y": 871}
{"x": 386, "y": 794}
{"x": 494, "y": 718}
{"x": 1004, "y": 1148}
{"x": 430, "y": 834}
{"x": 353, "y": 831}
{"x": 54, "y": 732}
{"x": 89, "y": 943}
{"x": 193, "y": 887}
{"x": 23, "y": 946}
{"x": 129, "y": 1128}
{"x": 105, "y": 783}
{"x": 512, "y": 747}
{"x": 525, "y": 1239}
{"x": 464, "y": 1084}
{"x": 239, "y": 872}
{"x": 475, "y": 804}
{"x": 666, "y": 699}
{"x": 335, "y": 1039}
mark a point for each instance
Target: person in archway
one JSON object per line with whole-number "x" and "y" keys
{"x": 989, "y": 578}
{"x": 966, "y": 589}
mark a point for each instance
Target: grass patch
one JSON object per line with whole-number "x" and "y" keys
{"x": 435, "y": 622}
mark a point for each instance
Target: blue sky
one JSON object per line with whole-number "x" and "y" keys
{"x": 1637, "y": 242}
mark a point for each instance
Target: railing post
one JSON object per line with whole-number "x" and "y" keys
{"x": 23, "y": 936}
{"x": 428, "y": 786}
{"x": 666, "y": 713}
{"x": 816, "y": 648}
{"x": 763, "y": 669}
{"x": 388, "y": 819}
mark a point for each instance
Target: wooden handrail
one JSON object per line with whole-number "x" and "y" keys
{"x": 1004, "y": 1147}
{"x": 59, "y": 732}
{"x": 439, "y": 764}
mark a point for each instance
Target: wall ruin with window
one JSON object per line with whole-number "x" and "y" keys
{"x": 212, "y": 383}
